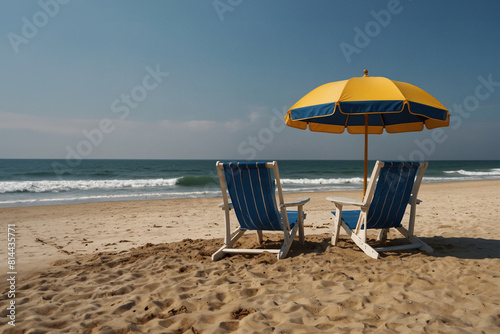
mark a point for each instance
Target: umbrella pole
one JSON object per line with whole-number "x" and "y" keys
{"x": 365, "y": 175}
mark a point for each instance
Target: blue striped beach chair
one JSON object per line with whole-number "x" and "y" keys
{"x": 383, "y": 207}
{"x": 252, "y": 192}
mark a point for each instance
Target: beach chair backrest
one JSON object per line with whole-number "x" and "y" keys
{"x": 392, "y": 193}
{"x": 252, "y": 191}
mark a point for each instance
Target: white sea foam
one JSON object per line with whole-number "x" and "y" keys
{"x": 305, "y": 181}
{"x": 491, "y": 172}
{"x": 55, "y": 186}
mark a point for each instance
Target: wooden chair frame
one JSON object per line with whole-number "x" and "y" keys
{"x": 359, "y": 234}
{"x": 288, "y": 233}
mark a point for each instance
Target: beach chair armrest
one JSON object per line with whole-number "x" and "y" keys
{"x": 222, "y": 206}
{"x": 417, "y": 201}
{"x": 300, "y": 201}
{"x": 345, "y": 201}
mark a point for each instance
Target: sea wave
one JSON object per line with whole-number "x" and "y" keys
{"x": 306, "y": 181}
{"x": 55, "y": 186}
{"x": 491, "y": 172}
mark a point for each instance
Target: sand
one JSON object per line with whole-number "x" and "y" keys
{"x": 145, "y": 267}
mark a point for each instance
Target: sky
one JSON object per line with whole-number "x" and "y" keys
{"x": 186, "y": 79}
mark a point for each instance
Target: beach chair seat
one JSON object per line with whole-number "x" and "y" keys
{"x": 393, "y": 185}
{"x": 252, "y": 191}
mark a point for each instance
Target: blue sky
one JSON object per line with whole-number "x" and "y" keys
{"x": 213, "y": 79}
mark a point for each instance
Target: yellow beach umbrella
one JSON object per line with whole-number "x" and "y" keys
{"x": 367, "y": 105}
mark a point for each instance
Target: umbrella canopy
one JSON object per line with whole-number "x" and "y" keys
{"x": 367, "y": 105}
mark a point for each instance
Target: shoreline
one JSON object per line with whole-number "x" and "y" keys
{"x": 62, "y": 202}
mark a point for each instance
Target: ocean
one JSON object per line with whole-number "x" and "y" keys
{"x": 27, "y": 182}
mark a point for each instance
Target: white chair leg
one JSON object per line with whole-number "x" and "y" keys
{"x": 287, "y": 242}
{"x": 233, "y": 237}
{"x": 259, "y": 236}
{"x": 219, "y": 254}
{"x": 360, "y": 241}
{"x": 383, "y": 235}
{"x": 301, "y": 224}
{"x": 336, "y": 225}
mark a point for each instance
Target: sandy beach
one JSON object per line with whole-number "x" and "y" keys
{"x": 145, "y": 267}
